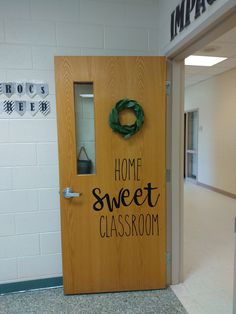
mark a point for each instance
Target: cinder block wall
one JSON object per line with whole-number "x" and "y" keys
{"x": 32, "y": 32}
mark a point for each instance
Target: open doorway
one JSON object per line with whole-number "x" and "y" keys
{"x": 210, "y": 205}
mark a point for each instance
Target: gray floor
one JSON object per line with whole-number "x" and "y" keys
{"x": 54, "y": 301}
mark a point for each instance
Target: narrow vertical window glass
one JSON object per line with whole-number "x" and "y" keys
{"x": 85, "y": 131}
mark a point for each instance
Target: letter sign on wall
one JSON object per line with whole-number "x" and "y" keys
{"x": 181, "y": 16}
{"x": 21, "y": 106}
{"x": 20, "y": 89}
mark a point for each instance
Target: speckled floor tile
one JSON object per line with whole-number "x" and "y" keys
{"x": 53, "y": 301}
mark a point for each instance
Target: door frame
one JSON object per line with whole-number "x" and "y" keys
{"x": 221, "y": 22}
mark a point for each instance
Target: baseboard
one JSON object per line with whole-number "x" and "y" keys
{"x": 31, "y": 285}
{"x": 212, "y": 188}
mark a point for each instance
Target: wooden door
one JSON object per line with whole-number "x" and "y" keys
{"x": 117, "y": 245}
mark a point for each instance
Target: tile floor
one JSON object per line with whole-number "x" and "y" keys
{"x": 208, "y": 252}
{"x": 53, "y": 301}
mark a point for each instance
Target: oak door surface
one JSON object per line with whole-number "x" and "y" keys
{"x": 114, "y": 234}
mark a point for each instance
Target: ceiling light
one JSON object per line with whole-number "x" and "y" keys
{"x": 203, "y": 61}
{"x": 86, "y": 95}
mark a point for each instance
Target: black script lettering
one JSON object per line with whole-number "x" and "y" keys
{"x": 125, "y": 199}
{"x": 199, "y": 4}
{"x": 125, "y": 194}
{"x": 99, "y": 200}
{"x": 111, "y": 203}
{"x": 150, "y": 189}
{"x": 138, "y": 193}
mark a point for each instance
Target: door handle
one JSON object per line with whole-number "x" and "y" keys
{"x": 68, "y": 193}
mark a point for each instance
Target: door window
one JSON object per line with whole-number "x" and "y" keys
{"x": 85, "y": 133}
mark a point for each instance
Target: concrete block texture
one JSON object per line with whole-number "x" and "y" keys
{"x": 32, "y": 33}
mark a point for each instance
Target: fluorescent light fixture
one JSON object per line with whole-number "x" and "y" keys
{"x": 203, "y": 61}
{"x": 86, "y": 95}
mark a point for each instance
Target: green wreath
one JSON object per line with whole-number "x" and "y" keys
{"x": 125, "y": 130}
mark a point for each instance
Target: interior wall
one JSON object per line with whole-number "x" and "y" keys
{"x": 32, "y": 32}
{"x": 216, "y": 99}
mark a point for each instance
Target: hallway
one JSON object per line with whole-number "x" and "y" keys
{"x": 208, "y": 252}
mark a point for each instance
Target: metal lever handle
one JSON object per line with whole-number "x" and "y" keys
{"x": 68, "y": 193}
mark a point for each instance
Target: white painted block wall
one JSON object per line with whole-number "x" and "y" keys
{"x": 216, "y": 98}
{"x": 32, "y": 32}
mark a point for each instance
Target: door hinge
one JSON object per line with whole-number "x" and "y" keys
{"x": 168, "y": 258}
{"x": 168, "y": 88}
{"x": 168, "y": 175}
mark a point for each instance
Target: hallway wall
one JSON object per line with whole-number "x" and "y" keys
{"x": 32, "y": 32}
{"x": 216, "y": 100}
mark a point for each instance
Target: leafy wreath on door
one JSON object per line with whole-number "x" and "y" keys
{"x": 126, "y": 131}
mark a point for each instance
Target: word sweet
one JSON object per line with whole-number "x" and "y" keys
{"x": 181, "y": 16}
{"x": 147, "y": 195}
{"x": 129, "y": 225}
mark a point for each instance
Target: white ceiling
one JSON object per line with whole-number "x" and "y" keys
{"x": 224, "y": 46}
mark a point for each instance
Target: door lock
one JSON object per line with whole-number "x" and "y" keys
{"x": 68, "y": 193}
